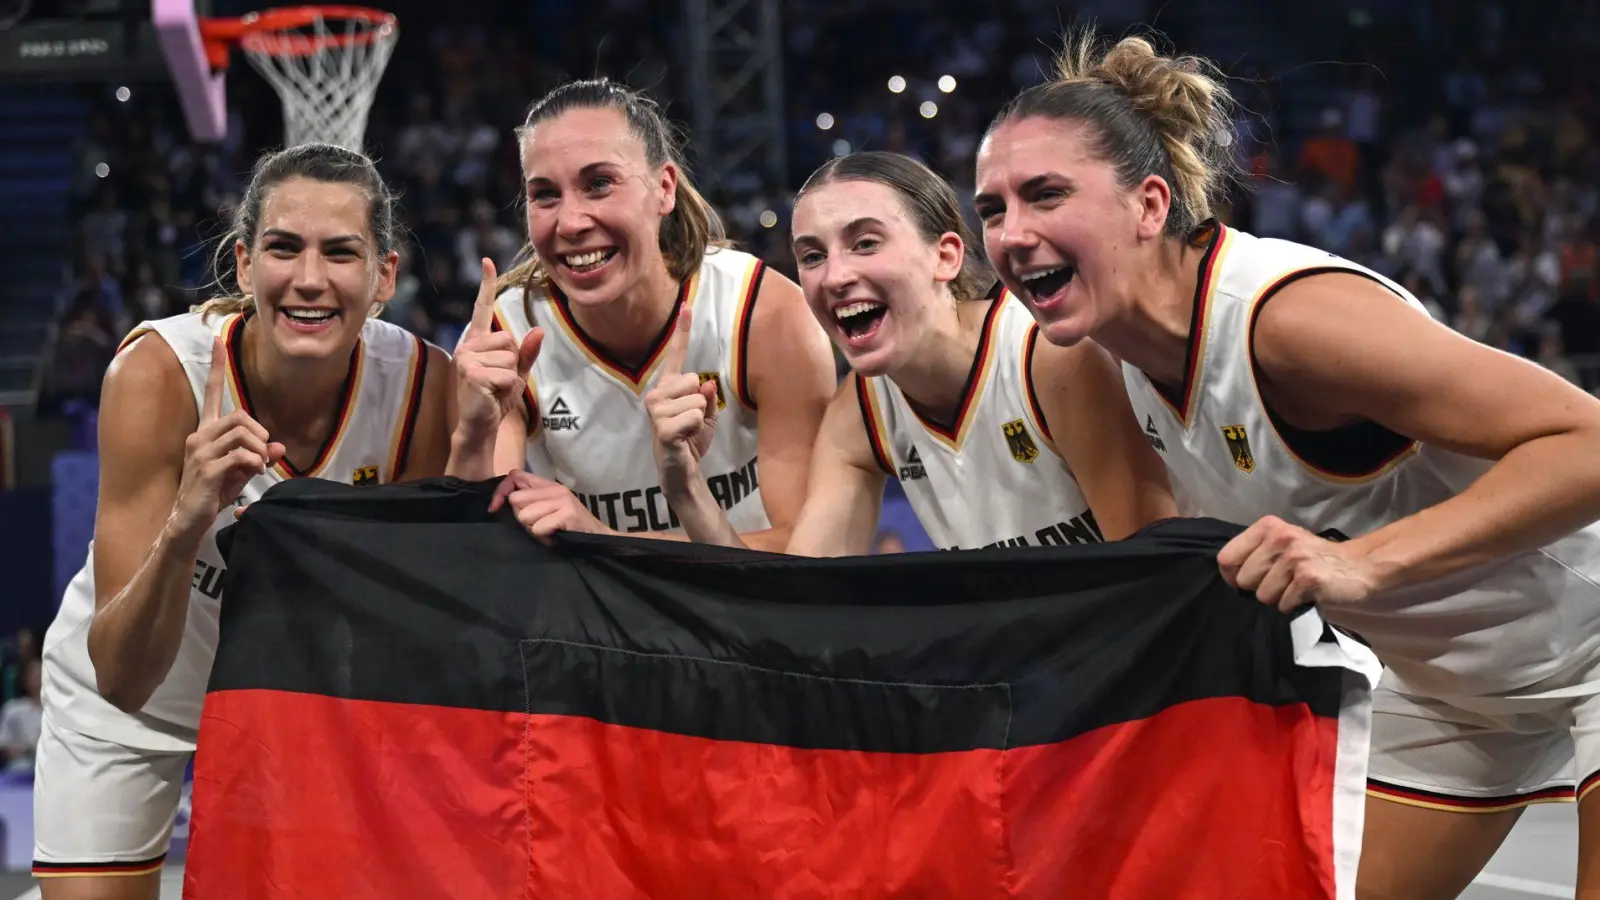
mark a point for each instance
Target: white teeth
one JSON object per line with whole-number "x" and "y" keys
{"x": 855, "y": 309}
{"x": 1034, "y": 276}
{"x": 309, "y": 315}
{"x": 593, "y": 257}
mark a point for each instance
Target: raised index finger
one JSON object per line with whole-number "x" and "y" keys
{"x": 483, "y": 307}
{"x": 677, "y": 345}
{"x": 211, "y": 407}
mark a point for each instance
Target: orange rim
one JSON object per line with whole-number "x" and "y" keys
{"x": 274, "y": 31}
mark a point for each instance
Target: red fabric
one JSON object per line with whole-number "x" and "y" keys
{"x": 321, "y": 797}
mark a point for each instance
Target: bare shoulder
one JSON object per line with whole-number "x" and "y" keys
{"x": 146, "y": 396}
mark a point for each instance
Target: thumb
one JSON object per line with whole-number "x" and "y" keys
{"x": 528, "y": 352}
{"x": 708, "y": 390}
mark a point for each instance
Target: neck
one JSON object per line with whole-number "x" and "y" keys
{"x": 289, "y": 396}
{"x": 936, "y": 374}
{"x": 628, "y": 326}
{"x": 1151, "y": 329}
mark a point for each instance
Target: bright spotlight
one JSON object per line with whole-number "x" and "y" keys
{"x": 841, "y": 147}
{"x": 102, "y": 170}
{"x": 929, "y": 109}
{"x": 896, "y": 84}
{"x": 947, "y": 83}
{"x": 825, "y": 121}
{"x": 123, "y": 94}
{"x": 768, "y": 218}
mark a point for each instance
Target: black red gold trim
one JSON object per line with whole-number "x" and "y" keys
{"x": 1027, "y": 381}
{"x": 869, "y": 420}
{"x": 1588, "y": 784}
{"x": 1454, "y": 803}
{"x": 101, "y": 869}
{"x": 1392, "y": 448}
{"x": 633, "y": 375}
{"x": 234, "y": 341}
{"x": 951, "y": 435}
{"x": 741, "y": 340}
{"x": 408, "y": 421}
{"x": 1194, "y": 356}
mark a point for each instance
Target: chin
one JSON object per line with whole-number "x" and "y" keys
{"x": 1065, "y": 332}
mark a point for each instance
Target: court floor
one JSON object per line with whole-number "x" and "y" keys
{"x": 1540, "y": 859}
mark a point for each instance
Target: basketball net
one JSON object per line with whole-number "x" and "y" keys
{"x": 326, "y": 73}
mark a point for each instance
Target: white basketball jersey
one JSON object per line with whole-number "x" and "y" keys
{"x": 1494, "y": 631}
{"x": 589, "y": 427}
{"x": 994, "y": 478}
{"x": 370, "y": 442}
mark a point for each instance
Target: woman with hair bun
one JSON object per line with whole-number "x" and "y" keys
{"x": 1428, "y": 493}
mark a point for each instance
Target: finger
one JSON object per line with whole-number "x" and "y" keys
{"x": 1301, "y": 591}
{"x": 238, "y": 511}
{"x": 241, "y": 436}
{"x": 1236, "y": 551}
{"x": 673, "y": 407}
{"x": 500, "y": 382}
{"x": 239, "y": 460}
{"x": 540, "y": 519}
{"x": 1275, "y": 582}
{"x": 709, "y": 391}
{"x": 499, "y": 360}
{"x": 529, "y": 351}
{"x": 241, "y": 419}
{"x": 275, "y": 452}
{"x": 211, "y": 408}
{"x": 504, "y": 489}
{"x": 678, "y": 345}
{"x": 483, "y": 308}
{"x": 676, "y": 386}
{"x": 1255, "y": 569}
{"x": 535, "y": 495}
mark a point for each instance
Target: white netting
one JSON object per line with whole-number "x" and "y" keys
{"x": 326, "y": 73}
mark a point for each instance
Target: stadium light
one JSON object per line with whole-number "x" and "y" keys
{"x": 768, "y": 218}
{"x": 123, "y": 94}
{"x": 825, "y": 121}
{"x": 841, "y": 147}
{"x": 896, "y": 84}
{"x": 947, "y": 83}
{"x": 929, "y": 109}
{"x": 101, "y": 170}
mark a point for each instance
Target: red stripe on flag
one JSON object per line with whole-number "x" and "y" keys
{"x": 302, "y": 796}
{"x": 299, "y": 795}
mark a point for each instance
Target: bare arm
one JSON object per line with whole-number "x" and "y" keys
{"x": 1339, "y": 348}
{"x": 164, "y": 476}
{"x": 1092, "y": 423}
{"x": 844, "y": 493}
{"x": 791, "y": 377}
{"x": 436, "y": 420}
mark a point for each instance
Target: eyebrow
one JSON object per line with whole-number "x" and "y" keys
{"x": 590, "y": 169}
{"x": 852, "y": 227}
{"x": 1032, "y": 184}
{"x": 336, "y": 239}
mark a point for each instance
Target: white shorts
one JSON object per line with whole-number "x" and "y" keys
{"x": 1426, "y": 752}
{"x": 100, "y": 808}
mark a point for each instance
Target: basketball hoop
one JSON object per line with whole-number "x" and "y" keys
{"x": 324, "y": 62}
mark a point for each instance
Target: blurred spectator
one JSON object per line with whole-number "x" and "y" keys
{"x": 888, "y": 542}
{"x": 20, "y": 719}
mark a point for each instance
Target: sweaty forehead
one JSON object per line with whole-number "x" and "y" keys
{"x": 565, "y": 144}
{"x": 831, "y": 207}
{"x": 312, "y": 208}
{"x": 1024, "y": 148}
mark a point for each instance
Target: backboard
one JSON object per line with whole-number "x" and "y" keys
{"x": 201, "y": 88}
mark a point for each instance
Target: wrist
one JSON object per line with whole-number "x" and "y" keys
{"x": 1384, "y": 568}
{"x": 182, "y": 532}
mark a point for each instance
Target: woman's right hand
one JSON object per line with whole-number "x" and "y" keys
{"x": 221, "y": 456}
{"x": 683, "y": 411}
{"x": 491, "y": 366}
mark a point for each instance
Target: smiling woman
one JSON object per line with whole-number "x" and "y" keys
{"x": 951, "y": 391}
{"x": 624, "y": 254}
{"x": 202, "y": 413}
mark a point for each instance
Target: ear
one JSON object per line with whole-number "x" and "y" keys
{"x": 388, "y": 272}
{"x": 952, "y": 254}
{"x": 241, "y": 268}
{"x": 1152, "y": 199}
{"x": 667, "y": 183}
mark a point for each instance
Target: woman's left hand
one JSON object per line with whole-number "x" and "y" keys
{"x": 545, "y": 507}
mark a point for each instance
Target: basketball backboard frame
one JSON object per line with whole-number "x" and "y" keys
{"x": 202, "y": 90}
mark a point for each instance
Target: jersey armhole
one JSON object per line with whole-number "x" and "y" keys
{"x": 741, "y": 337}
{"x": 1357, "y": 451}
{"x": 870, "y": 421}
{"x": 1028, "y": 386}
{"x": 408, "y": 419}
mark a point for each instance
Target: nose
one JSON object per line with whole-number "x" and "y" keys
{"x": 311, "y": 275}
{"x": 572, "y": 219}
{"x": 837, "y": 275}
{"x": 1015, "y": 233}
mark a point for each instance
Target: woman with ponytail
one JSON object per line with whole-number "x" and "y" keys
{"x": 1431, "y": 494}
{"x": 996, "y": 437}
{"x": 554, "y": 367}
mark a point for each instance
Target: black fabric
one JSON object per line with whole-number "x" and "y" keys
{"x": 415, "y": 594}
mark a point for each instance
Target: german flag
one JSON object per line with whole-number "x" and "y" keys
{"x": 413, "y": 699}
